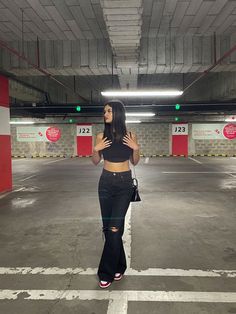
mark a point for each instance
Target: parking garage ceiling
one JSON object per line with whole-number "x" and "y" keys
{"x": 63, "y": 52}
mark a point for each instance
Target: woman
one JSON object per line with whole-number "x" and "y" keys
{"x": 117, "y": 146}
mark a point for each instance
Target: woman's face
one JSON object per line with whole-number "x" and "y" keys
{"x": 107, "y": 114}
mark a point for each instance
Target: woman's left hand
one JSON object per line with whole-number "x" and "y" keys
{"x": 129, "y": 141}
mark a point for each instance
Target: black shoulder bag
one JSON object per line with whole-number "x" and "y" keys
{"x": 135, "y": 196}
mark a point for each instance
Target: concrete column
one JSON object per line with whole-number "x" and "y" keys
{"x": 5, "y": 137}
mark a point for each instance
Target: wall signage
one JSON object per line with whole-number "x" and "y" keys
{"x": 38, "y": 134}
{"x": 215, "y": 131}
{"x": 229, "y": 131}
{"x": 180, "y": 129}
{"x": 84, "y": 130}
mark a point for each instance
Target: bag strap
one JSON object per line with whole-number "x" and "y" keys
{"x": 132, "y": 164}
{"x": 135, "y": 182}
{"x": 134, "y": 172}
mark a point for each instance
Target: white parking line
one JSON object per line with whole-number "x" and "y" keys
{"x": 193, "y": 159}
{"x": 231, "y": 175}
{"x": 127, "y": 237}
{"x": 50, "y": 162}
{"x": 124, "y": 296}
{"x": 119, "y": 306}
{"x": 18, "y": 190}
{"x": 4, "y": 195}
{"x": 168, "y": 272}
{"x": 28, "y": 178}
{"x": 195, "y": 172}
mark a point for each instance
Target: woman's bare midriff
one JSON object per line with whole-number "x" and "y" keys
{"x": 116, "y": 166}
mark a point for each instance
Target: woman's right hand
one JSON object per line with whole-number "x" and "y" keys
{"x": 104, "y": 143}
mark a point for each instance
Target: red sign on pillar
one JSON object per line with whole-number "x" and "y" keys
{"x": 84, "y": 139}
{"x": 5, "y": 137}
{"x": 180, "y": 139}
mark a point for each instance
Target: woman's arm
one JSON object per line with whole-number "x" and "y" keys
{"x": 131, "y": 141}
{"x": 101, "y": 143}
{"x": 96, "y": 157}
{"x": 136, "y": 151}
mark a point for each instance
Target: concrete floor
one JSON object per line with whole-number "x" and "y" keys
{"x": 180, "y": 240}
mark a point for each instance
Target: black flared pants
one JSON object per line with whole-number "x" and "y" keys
{"x": 115, "y": 190}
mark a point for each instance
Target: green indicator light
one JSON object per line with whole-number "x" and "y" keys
{"x": 176, "y": 118}
{"x": 71, "y": 120}
{"x": 78, "y": 108}
{"x": 177, "y": 107}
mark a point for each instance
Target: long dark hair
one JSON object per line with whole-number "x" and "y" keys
{"x": 117, "y": 128}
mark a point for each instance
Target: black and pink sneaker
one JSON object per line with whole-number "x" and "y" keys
{"x": 118, "y": 276}
{"x": 104, "y": 284}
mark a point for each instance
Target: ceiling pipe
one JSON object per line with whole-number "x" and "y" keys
{"x": 22, "y": 57}
{"x": 112, "y": 70}
{"x": 37, "y": 53}
{"x": 214, "y": 47}
{"x": 225, "y": 55}
{"x": 99, "y": 106}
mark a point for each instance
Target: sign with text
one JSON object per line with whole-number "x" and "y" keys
{"x": 38, "y": 134}
{"x": 214, "y": 131}
{"x": 84, "y": 130}
{"x": 229, "y": 131}
{"x": 180, "y": 129}
{"x": 84, "y": 139}
{"x": 180, "y": 139}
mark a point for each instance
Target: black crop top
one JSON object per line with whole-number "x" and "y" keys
{"x": 117, "y": 152}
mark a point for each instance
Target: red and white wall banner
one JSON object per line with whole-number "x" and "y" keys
{"x": 37, "y": 134}
{"x": 84, "y": 139}
{"x": 5, "y": 138}
{"x": 180, "y": 139}
{"x": 229, "y": 131}
{"x": 220, "y": 131}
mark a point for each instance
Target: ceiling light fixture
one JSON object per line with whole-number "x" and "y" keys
{"x": 133, "y": 121}
{"x": 140, "y": 114}
{"x": 144, "y": 93}
{"x": 22, "y": 122}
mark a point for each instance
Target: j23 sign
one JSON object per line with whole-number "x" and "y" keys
{"x": 180, "y": 129}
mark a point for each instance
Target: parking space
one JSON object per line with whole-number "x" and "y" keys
{"x": 180, "y": 240}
